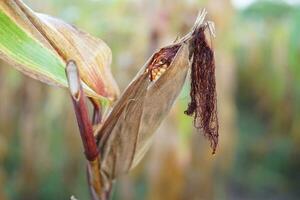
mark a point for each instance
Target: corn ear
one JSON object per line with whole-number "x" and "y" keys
{"x": 127, "y": 132}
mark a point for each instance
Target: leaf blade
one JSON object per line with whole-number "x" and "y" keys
{"x": 39, "y": 46}
{"x": 28, "y": 55}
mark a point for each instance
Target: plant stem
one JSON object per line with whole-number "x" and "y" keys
{"x": 86, "y": 131}
{"x": 81, "y": 111}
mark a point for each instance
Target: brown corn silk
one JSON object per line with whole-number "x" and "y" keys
{"x": 203, "y": 94}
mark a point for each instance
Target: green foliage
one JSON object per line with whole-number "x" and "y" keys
{"x": 27, "y": 51}
{"x": 266, "y": 9}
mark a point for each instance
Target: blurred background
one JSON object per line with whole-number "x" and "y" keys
{"x": 258, "y": 76}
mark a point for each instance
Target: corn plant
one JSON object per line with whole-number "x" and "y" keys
{"x": 119, "y": 132}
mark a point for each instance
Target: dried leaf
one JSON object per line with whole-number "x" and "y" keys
{"x": 40, "y": 45}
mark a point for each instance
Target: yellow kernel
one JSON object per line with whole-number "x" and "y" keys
{"x": 162, "y": 70}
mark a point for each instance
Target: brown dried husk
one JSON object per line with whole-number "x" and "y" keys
{"x": 127, "y": 133}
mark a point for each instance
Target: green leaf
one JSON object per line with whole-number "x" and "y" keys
{"x": 40, "y": 46}
{"x": 29, "y": 55}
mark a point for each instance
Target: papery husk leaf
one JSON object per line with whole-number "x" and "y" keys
{"x": 160, "y": 98}
{"x": 120, "y": 131}
{"x": 55, "y": 42}
{"x": 127, "y": 132}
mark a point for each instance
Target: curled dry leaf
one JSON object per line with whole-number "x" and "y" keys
{"x": 40, "y": 45}
{"x": 127, "y": 133}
